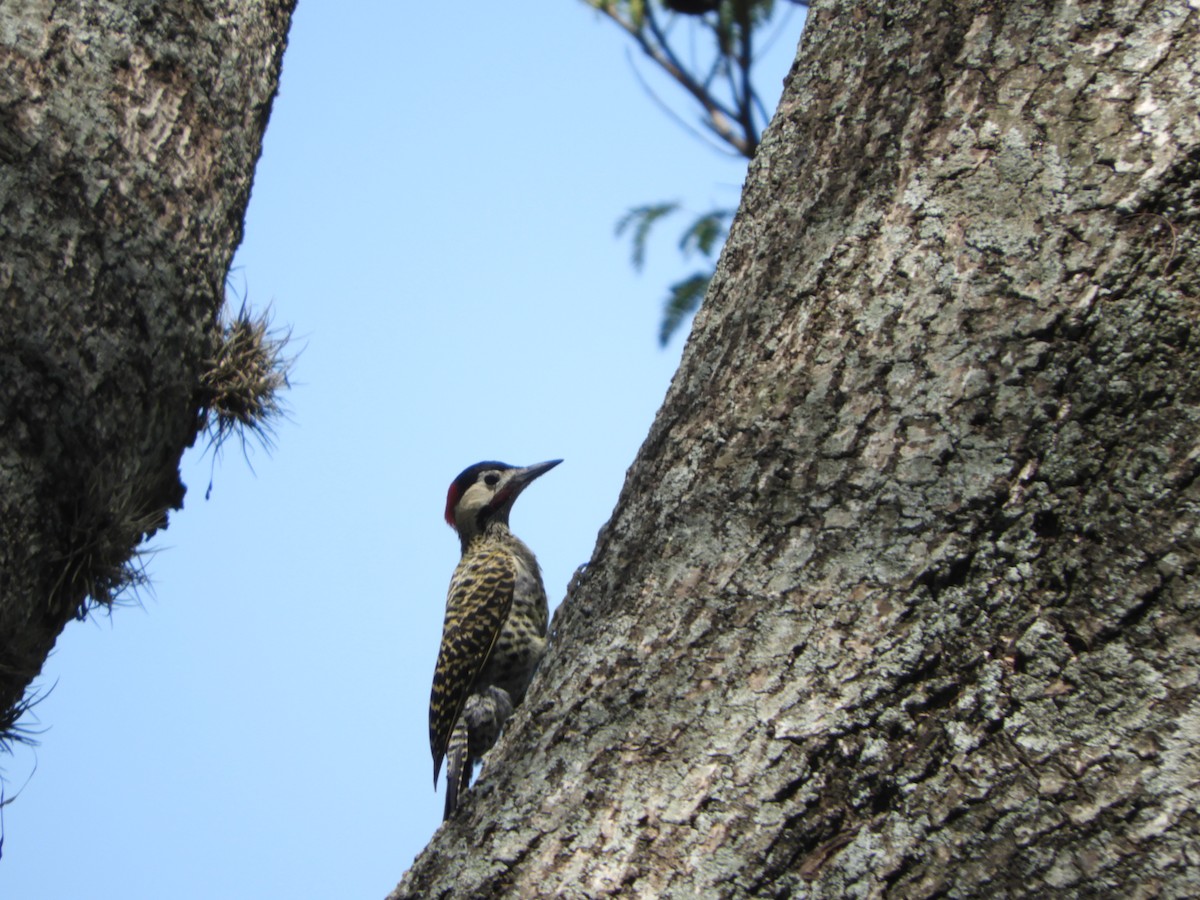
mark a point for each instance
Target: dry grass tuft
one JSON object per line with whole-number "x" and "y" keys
{"x": 102, "y": 566}
{"x": 242, "y": 383}
{"x": 14, "y": 732}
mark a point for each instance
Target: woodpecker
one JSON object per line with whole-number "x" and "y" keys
{"x": 494, "y": 634}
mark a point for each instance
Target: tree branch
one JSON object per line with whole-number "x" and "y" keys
{"x": 720, "y": 119}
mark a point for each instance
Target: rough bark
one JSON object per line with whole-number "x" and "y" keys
{"x": 128, "y": 137}
{"x": 899, "y": 596}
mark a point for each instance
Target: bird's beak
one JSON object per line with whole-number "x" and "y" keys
{"x": 522, "y": 477}
{"x": 518, "y": 481}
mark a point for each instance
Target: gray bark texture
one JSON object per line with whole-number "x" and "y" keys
{"x": 129, "y": 132}
{"x": 899, "y": 597}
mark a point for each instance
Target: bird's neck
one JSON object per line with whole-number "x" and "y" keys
{"x": 493, "y": 531}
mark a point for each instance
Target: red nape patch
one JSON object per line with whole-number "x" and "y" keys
{"x": 452, "y": 501}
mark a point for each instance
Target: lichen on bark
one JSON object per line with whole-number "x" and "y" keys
{"x": 898, "y": 598}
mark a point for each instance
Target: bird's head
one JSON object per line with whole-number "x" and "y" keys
{"x": 485, "y": 493}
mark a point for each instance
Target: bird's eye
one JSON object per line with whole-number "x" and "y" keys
{"x": 491, "y": 479}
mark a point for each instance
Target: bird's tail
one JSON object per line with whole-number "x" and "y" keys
{"x": 458, "y": 766}
{"x": 474, "y": 734}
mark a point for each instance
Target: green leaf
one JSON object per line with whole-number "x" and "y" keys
{"x": 642, "y": 219}
{"x": 707, "y": 233}
{"x": 685, "y": 298}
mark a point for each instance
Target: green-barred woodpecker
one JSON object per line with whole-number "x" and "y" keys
{"x": 494, "y": 635}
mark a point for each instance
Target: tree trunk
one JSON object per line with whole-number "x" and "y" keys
{"x": 899, "y": 596}
{"x": 128, "y": 137}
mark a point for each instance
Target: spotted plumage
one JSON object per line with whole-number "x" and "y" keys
{"x": 494, "y": 633}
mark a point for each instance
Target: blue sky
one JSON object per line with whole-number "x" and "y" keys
{"x": 433, "y": 217}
